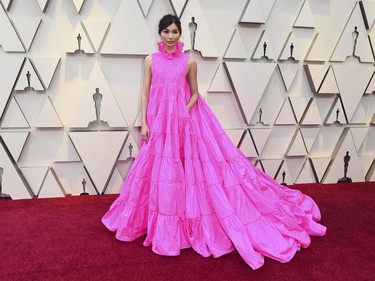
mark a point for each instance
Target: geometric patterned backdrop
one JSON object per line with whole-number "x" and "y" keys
{"x": 60, "y": 59}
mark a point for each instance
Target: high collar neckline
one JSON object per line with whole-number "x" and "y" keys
{"x": 174, "y": 54}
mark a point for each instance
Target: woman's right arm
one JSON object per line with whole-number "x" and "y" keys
{"x": 144, "y": 97}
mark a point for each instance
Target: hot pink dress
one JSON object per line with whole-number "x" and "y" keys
{"x": 191, "y": 187}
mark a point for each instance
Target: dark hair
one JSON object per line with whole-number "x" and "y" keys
{"x": 167, "y": 20}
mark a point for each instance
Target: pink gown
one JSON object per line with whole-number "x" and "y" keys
{"x": 191, "y": 187}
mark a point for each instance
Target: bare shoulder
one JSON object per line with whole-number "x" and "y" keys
{"x": 192, "y": 64}
{"x": 148, "y": 60}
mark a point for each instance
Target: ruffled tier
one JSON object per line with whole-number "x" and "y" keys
{"x": 191, "y": 187}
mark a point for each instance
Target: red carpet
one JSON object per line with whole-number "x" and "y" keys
{"x": 63, "y": 239}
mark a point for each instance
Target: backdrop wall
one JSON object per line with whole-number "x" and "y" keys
{"x": 291, "y": 81}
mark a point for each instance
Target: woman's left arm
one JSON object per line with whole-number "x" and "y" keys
{"x": 192, "y": 77}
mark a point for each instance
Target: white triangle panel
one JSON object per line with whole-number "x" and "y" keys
{"x": 320, "y": 166}
{"x": 115, "y": 184}
{"x": 368, "y": 145}
{"x": 14, "y": 118}
{"x": 247, "y": 146}
{"x": 66, "y": 151}
{"x": 347, "y": 44}
{"x": 105, "y": 146}
{"x": 352, "y": 81}
{"x": 34, "y": 177}
{"x": 78, "y": 4}
{"x": 236, "y": 48}
{"x": 257, "y": 11}
{"x": 220, "y": 83}
{"x": 286, "y": 115}
{"x": 329, "y": 85}
{"x": 178, "y": 6}
{"x": 359, "y": 135}
{"x": 299, "y": 105}
{"x": 117, "y": 40}
{"x": 317, "y": 51}
{"x": 307, "y": 174}
{"x": 369, "y": 8}
{"x": 130, "y": 149}
{"x": 22, "y": 82}
{"x": 48, "y": 117}
{"x": 9, "y": 69}
{"x": 96, "y": 31}
{"x": 336, "y": 113}
{"x": 301, "y": 46}
{"x": 366, "y": 162}
{"x": 15, "y": 142}
{"x": 9, "y": 39}
{"x": 260, "y": 137}
{"x": 204, "y": 41}
{"x": 51, "y": 187}
{"x": 7, "y": 4}
{"x": 73, "y": 44}
{"x": 46, "y": 68}
{"x": 124, "y": 168}
{"x": 371, "y": 86}
{"x": 264, "y": 47}
{"x": 27, "y": 29}
{"x": 297, "y": 146}
{"x": 235, "y": 135}
{"x": 292, "y": 167}
{"x": 288, "y": 73}
{"x": 364, "y": 111}
{"x": 309, "y": 136}
{"x": 315, "y": 74}
{"x": 109, "y": 109}
{"x": 12, "y": 183}
{"x": 145, "y": 5}
{"x": 305, "y": 17}
{"x": 43, "y": 4}
{"x": 312, "y": 116}
{"x": 226, "y": 109}
{"x": 243, "y": 74}
{"x": 271, "y": 166}
{"x": 336, "y": 169}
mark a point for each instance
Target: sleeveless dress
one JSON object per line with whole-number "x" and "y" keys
{"x": 191, "y": 187}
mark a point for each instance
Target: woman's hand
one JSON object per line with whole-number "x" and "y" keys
{"x": 145, "y": 133}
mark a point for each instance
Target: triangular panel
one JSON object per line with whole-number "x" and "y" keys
{"x": 315, "y": 74}
{"x": 286, "y": 115}
{"x": 27, "y": 29}
{"x": 117, "y": 41}
{"x": 235, "y": 135}
{"x": 265, "y": 48}
{"x": 14, "y": 118}
{"x": 352, "y": 81}
{"x": 243, "y": 74}
{"x": 145, "y": 5}
{"x": 12, "y": 183}
{"x": 354, "y": 40}
{"x": 96, "y": 31}
{"x": 43, "y": 4}
{"x": 178, "y": 6}
{"x": 79, "y": 42}
{"x": 220, "y": 83}
{"x": 88, "y": 144}
{"x": 78, "y": 4}
{"x": 307, "y": 174}
{"x": 297, "y": 146}
{"x": 247, "y": 146}
{"x": 320, "y": 166}
{"x": 260, "y": 137}
{"x": 309, "y": 136}
{"x": 28, "y": 78}
{"x": 115, "y": 184}
{"x": 106, "y": 107}
{"x": 34, "y": 177}
{"x": 305, "y": 17}
{"x": 48, "y": 117}
{"x": 46, "y": 68}
{"x": 317, "y": 51}
{"x": 271, "y": 166}
{"x": 288, "y": 73}
{"x": 15, "y": 142}
{"x": 9, "y": 39}
{"x": 236, "y": 48}
{"x": 329, "y": 85}
{"x": 51, "y": 186}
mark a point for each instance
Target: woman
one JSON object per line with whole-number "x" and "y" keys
{"x": 191, "y": 187}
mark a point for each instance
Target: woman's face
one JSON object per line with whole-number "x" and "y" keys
{"x": 170, "y": 35}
